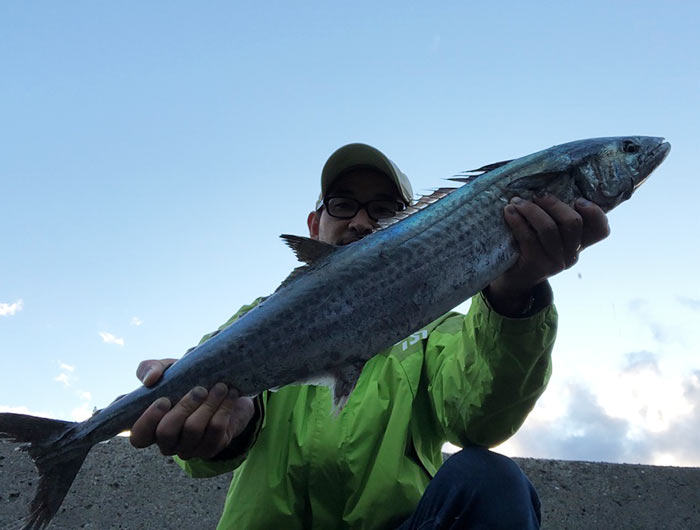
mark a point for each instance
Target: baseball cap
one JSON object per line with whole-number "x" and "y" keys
{"x": 362, "y": 155}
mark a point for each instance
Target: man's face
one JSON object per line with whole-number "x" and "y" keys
{"x": 362, "y": 185}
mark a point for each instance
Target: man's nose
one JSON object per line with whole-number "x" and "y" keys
{"x": 362, "y": 222}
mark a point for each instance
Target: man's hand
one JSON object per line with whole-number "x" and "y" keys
{"x": 550, "y": 235}
{"x": 201, "y": 424}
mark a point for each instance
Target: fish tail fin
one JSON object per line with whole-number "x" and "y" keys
{"x": 58, "y": 462}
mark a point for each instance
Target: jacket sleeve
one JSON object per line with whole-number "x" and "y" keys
{"x": 485, "y": 372}
{"x": 234, "y": 455}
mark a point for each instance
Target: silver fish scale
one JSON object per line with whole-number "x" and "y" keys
{"x": 401, "y": 287}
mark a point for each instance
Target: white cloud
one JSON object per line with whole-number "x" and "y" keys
{"x": 669, "y": 325}
{"x": 136, "y": 321}
{"x": 63, "y": 378}
{"x": 10, "y": 309}
{"x": 646, "y": 418}
{"x": 111, "y": 339}
{"x": 638, "y": 362}
{"x": 67, "y": 375}
{"x": 648, "y": 315}
{"x": 25, "y": 410}
{"x": 692, "y": 303}
{"x": 85, "y": 395}
{"x": 649, "y": 400}
{"x": 585, "y": 432}
{"x": 82, "y": 413}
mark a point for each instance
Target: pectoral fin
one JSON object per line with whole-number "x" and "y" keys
{"x": 345, "y": 380}
{"x": 340, "y": 381}
{"x": 532, "y": 183}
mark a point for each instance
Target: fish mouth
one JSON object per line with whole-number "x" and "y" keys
{"x": 660, "y": 153}
{"x": 654, "y": 159}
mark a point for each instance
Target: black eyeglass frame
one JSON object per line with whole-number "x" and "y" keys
{"x": 360, "y": 205}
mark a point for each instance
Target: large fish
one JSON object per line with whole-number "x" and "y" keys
{"x": 348, "y": 303}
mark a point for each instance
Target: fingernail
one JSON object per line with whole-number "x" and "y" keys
{"x": 219, "y": 390}
{"x": 145, "y": 376}
{"x": 582, "y": 202}
{"x": 516, "y": 200}
{"x": 163, "y": 404}
{"x": 199, "y": 394}
{"x": 542, "y": 194}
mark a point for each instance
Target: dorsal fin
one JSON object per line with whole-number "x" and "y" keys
{"x": 306, "y": 249}
{"x": 422, "y": 202}
{"x": 488, "y": 167}
{"x": 465, "y": 177}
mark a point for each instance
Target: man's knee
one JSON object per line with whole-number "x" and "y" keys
{"x": 478, "y": 489}
{"x": 480, "y": 462}
{"x": 489, "y": 481}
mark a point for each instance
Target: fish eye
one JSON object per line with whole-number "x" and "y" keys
{"x": 628, "y": 146}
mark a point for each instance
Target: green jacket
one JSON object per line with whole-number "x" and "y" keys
{"x": 464, "y": 379}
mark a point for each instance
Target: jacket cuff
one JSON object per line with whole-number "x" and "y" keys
{"x": 536, "y": 313}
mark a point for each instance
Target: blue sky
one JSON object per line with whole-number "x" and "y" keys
{"x": 151, "y": 154}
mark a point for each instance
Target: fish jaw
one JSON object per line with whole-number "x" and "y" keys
{"x": 657, "y": 154}
{"x": 615, "y": 167}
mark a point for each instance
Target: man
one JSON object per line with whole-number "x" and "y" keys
{"x": 469, "y": 379}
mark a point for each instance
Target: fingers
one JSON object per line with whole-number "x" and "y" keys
{"x": 143, "y": 432}
{"x": 561, "y": 230}
{"x": 229, "y": 421}
{"x": 194, "y": 430}
{"x": 595, "y": 222}
{"x": 544, "y": 230}
{"x": 149, "y": 372}
{"x": 201, "y": 424}
{"x": 522, "y": 231}
{"x": 550, "y": 234}
{"x": 168, "y": 432}
{"x": 569, "y": 226}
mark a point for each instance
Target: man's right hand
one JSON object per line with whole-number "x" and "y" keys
{"x": 201, "y": 424}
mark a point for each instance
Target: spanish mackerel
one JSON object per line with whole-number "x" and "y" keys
{"x": 348, "y": 303}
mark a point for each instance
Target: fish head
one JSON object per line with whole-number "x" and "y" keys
{"x": 615, "y": 167}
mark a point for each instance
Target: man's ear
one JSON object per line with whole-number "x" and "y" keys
{"x": 312, "y": 221}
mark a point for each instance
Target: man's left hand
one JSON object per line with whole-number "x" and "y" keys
{"x": 550, "y": 235}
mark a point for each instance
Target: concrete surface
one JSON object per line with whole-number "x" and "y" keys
{"x": 122, "y": 488}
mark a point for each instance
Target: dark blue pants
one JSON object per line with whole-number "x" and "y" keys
{"x": 476, "y": 489}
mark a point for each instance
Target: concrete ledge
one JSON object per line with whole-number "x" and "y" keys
{"x": 122, "y": 488}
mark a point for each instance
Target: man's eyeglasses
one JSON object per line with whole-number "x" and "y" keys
{"x": 347, "y": 208}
